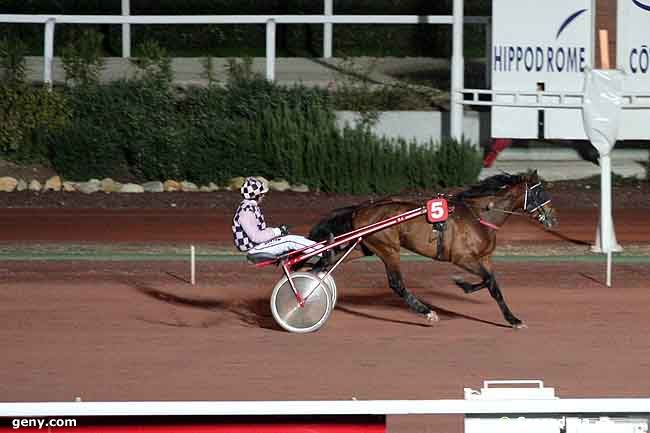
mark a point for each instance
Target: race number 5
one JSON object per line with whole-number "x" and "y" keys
{"x": 437, "y": 210}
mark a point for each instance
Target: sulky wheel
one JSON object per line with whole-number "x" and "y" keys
{"x": 287, "y": 311}
{"x": 331, "y": 285}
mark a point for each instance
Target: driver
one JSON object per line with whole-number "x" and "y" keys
{"x": 249, "y": 229}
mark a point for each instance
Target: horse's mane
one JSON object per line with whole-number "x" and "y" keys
{"x": 492, "y": 185}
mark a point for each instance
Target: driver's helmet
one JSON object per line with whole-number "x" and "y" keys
{"x": 254, "y": 188}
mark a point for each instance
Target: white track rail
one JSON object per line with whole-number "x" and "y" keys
{"x": 569, "y": 100}
{"x": 610, "y": 406}
{"x": 235, "y": 19}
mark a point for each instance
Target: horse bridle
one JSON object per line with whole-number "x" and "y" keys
{"x": 536, "y": 199}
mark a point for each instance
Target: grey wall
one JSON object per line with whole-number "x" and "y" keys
{"x": 423, "y": 125}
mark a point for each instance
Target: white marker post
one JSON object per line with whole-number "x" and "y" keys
{"x": 192, "y": 266}
{"x": 601, "y": 111}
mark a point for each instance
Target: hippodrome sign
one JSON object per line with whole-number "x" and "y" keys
{"x": 633, "y": 56}
{"x": 545, "y": 46}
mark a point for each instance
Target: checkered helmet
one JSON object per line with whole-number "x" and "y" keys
{"x": 253, "y": 188}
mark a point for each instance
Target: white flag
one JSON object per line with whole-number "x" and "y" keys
{"x": 602, "y": 107}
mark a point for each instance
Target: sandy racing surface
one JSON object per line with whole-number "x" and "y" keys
{"x": 136, "y": 330}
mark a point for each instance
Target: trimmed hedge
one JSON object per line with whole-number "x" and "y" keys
{"x": 27, "y": 115}
{"x": 142, "y": 130}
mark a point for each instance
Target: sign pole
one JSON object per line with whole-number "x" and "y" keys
{"x": 606, "y": 176}
{"x": 601, "y": 112}
{"x": 606, "y": 226}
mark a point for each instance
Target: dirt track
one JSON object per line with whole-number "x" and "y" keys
{"x": 137, "y": 331}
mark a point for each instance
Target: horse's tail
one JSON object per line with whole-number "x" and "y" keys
{"x": 338, "y": 222}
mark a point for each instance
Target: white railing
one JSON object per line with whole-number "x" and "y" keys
{"x": 456, "y": 19}
{"x": 328, "y": 10}
{"x": 270, "y": 20}
{"x": 529, "y": 406}
{"x": 610, "y": 406}
{"x": 235, "y": 19}
{"x": 522, "y": 99}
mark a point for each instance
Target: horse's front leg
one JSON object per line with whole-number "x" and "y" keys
{"x": 483, "y": 268}
{"x": 469, "y": 287}
{"x": 396, "y": 283}
{"x": 496, "y": 294}
{"x": 473, "y": 267}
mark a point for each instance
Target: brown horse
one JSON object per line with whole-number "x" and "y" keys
{"x": 467, "y": 239}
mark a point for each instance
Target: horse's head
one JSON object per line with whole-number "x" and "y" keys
{"x": 504, "y": 194}
{"x": 536, "y": 201}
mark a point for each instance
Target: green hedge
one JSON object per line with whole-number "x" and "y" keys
{"x": 142, "y": 130}
{"x": 27, "y": 115}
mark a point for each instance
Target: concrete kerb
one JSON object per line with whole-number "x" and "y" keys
{"x": 289, "y": 70}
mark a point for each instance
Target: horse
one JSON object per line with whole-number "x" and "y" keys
{"x": 467, "y": 239}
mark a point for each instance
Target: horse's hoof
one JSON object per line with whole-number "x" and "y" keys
{"x": 431, "y": 316}
{"x": 521, "y": 325}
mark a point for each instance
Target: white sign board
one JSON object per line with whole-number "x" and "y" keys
{"x": 633, "y": 57}
{"x": 540, "y": 45}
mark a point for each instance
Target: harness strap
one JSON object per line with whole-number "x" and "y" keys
{"x": 481, "y": 220}
{"x": 488, "y": 224}
{"x": 440, "y": 244}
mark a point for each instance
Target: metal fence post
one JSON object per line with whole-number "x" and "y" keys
{"x": 126, "y": 30}
{"x": 48, "y": 54}
{"x": 270, "y": 50}
{"x": 457, "y": 71}
{"x": 328, "y": 30}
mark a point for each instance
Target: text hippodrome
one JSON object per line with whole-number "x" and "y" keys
{"x": 507, "y": 58}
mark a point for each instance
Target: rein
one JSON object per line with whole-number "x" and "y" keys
{"x": 487, "y": 223}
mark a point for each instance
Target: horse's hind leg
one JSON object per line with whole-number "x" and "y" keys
{"x": 386, "y": 246}
{"x": 396, "y": 283}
